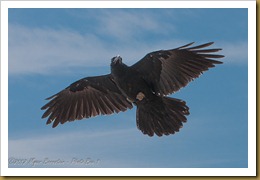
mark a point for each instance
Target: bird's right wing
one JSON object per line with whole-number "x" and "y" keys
{"x": 85, "y": 98}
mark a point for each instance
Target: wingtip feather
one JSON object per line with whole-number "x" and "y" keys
{"x": 184, "y": 46}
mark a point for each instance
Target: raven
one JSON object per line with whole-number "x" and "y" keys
{"x": 145, "y": 84}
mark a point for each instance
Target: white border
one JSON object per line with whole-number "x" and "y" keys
{"x": 250, "y": 171}
{"x": 128, "y": 4}
{"x": 252, "y": 87}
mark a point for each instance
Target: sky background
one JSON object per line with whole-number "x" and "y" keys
{"x": 51, "y": 48}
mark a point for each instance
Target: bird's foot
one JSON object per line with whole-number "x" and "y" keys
{"x": 140, "y": 96}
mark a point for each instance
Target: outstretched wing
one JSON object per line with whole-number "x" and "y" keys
{"x": 85, "y": 98}
{"x": 167, "y": 71}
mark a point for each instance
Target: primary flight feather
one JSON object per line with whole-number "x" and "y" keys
{"x": 145, "y": 84}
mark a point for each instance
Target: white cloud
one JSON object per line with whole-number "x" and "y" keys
{"x": 129, "y": 24}
{"x": 235, "y": 52}
{"x": 41, "y": 50}
{"x": 36, "y": 50}
{"x": 70, "y": 146}
{"x": 45, "y": 50}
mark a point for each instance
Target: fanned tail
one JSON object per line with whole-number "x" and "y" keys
{"x": 161, "y": 116}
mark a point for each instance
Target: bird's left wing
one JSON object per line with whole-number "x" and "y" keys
{"x": 166, "y": 71}
{"x": 85, "y": 98}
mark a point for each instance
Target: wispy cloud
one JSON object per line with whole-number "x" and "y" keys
{"x": 111, "y": 148}
{"x": 116, "y": 148}
{"x": 68, "y": 147}
{"x": 235, "y": 52}
{"x": 40, "y": 50}
{"x": 109, "y": 33}
{"x": 35, "y": 50}
{"x": 127, "y": 25}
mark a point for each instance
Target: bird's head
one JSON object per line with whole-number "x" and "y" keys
{"x": 116, "y": 60}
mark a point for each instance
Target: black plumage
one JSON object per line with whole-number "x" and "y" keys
{"x": 144, "y": 84}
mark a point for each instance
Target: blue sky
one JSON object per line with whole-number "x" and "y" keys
{"x": 51, "y": 48}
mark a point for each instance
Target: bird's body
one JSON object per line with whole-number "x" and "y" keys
{"x": 130, "y": 82}
{"x": 144, "y": 84}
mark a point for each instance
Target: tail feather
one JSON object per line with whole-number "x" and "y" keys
{"x": 161, "y": 116}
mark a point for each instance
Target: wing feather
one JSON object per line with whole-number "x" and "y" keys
{"x": 200, "y": 46}
{"x": 169, "y": 70}
{"x": 85, "y": 98}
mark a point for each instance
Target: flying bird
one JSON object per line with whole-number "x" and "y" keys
{"x": 145, "y": 85}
